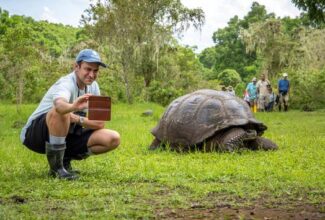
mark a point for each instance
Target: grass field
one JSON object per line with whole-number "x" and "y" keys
{"x": 134, "y": 183}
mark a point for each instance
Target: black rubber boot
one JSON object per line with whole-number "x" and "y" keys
{"x": 285, "y": 108}
{"x": 55, "y": 154}
{"x": 68, "y": 167}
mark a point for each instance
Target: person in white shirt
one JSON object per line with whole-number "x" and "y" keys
{"x": 262, "y": 92}
{"x": 59, "y": 127}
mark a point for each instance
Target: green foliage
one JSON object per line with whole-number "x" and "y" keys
{"x": 163, "y": 93}
{"x": 229, "y": 77}
{"x": 56, "y": 38}
{"x": 32, "y": 54}
{"x": 314, "y": 8}
{"x": 146, "y": 62}
{"x": 18, "y": 52}
{"x": 251, "y": 72}
{"x": 111, "y": 85}
{"x": 268, "y": 41}
{"x": 134, "y": 183}
{"x": 230, "y": 50}
{"x": 283, "y": 43}
{"x": 307, "y": 89}
{"x": 138, "y": 41}
{"x": 240, "y": 89}
{"x": 208, "y": 57}
{"x": 309, "y": 50}
{"x": 210, "y": 84}
{"x": 183, "y": 71}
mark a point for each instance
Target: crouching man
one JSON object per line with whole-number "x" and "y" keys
{"x": 59, "y": 128}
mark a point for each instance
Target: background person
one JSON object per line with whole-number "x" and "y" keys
{"x": 284, "y": 89}
{"x": 59, "y": 128}
{"x": 252, "y": 94}
{"x": 246, "y": 98}
{"x": 271, "y": 100}
{"x": 262, "y": 93}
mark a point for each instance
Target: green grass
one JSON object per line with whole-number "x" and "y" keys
{"x": 132, "y": 182}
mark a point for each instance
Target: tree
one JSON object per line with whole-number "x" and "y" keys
{"x": 229, "y": 77}
{"x": 230, "y": 50}
{"x": 32, "y": 55}
{"x": 315, "y": 9}
{"x": 272, "y": 46}
{"x": 208, "y": 57}
{"x": 287, "y": 45}
{"x": 183, "y": 73}
{"x": 18, "y": 52}
{"x": 137, "y": 32}
{"x": 282, "y": 47}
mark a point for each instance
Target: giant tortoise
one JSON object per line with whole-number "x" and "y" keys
{"x": 209, "y": 120}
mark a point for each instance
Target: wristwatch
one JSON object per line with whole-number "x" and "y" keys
{"x": 81, "y": 120}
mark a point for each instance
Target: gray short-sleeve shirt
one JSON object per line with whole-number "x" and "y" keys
{"x": 66, "y": 87}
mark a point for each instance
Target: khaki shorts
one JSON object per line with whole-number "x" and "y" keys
{"x": 283, "y": 98}
{"x": 262, "y": 101}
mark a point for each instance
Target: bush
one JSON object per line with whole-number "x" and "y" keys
{"x": 163, "y": 94}
{"x": 240, "y": 89}
{"x": 307, "y": 89}
{"x": 229, "y": 77}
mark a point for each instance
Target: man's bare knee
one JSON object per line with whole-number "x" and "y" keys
{"x": 114, "y": 140}
{"x": 58, "y": 124}
{"x": 53, "y": 115}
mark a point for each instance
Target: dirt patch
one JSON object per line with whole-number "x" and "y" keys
{"x": 299, "y": 213}
{"x": 18, "y": 199}
{"x": 227, "y": 207}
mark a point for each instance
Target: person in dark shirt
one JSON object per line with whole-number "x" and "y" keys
{"x": 284, "y": 89}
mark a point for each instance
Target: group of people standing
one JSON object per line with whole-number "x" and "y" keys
{"x": 261, "y": 97}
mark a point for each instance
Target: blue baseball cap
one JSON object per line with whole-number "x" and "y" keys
{"x": 89, "y": 56}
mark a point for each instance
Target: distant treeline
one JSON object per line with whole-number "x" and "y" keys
{"x": 146, "y": 63}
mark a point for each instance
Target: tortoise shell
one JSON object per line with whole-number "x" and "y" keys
{"x": 192, "y": 118}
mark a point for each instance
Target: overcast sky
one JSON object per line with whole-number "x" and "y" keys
{"x": 217, "y": 13}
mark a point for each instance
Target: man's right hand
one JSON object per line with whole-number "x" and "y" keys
{"x": 62, "y": 106}
{"x": 81, "y": 102}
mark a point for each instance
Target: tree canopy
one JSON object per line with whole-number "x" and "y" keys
{"x": 139, "y": 40}
{"x": 315, "y": 9}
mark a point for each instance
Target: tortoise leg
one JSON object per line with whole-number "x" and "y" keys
{"x": 211, "y": 145}
{"x": 261, "y": 143}
{"x": 156, "y": 144}
{"x": 228, "y": 140}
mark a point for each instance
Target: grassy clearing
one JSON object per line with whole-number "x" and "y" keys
{"x": 132, "y": 182}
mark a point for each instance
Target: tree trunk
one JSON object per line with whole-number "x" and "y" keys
{"x": 19, "y": 92}
{"x": 127, "y": 85}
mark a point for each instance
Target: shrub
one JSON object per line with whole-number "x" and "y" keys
{"x": 229, "y": 77}
{"x": 163, "y": 94}
{"x": 307, "y": 89}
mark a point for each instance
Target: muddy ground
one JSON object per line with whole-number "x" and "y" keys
{"x": 259, "y": 209}
{"x": 298, "y": 213}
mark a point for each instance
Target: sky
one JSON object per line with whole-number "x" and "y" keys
{"x": 217, "y": 14}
